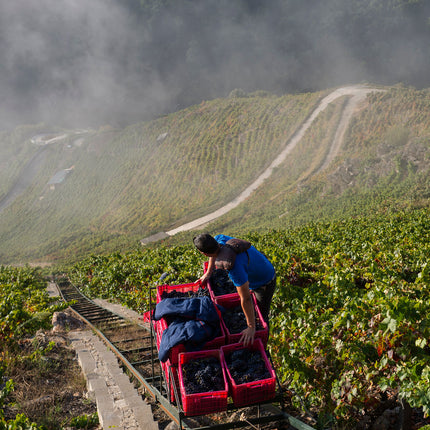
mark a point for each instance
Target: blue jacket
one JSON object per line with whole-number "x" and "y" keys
{"x": 192, "y": 322}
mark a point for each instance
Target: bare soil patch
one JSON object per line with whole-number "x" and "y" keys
{"x": 50, "y": 388}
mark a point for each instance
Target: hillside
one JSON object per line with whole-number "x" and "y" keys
{"x": 100, "y": 190}
{"x": 383, "y": 164}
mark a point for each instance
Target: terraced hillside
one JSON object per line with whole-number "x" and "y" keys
{"x": 382, "y": 165}
{"x": 124, "y": 185}
{"x": 128, "y": 183}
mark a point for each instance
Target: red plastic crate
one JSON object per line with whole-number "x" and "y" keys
{"x": 182, "y": 288}
{"x": 215, "y": 343}
{"x": 158, "y": 333}
{"x": 232, "y": 302}
{"x": 250, "y": 392}
{"x": 202, "y": 403}
{"x": 170, "y": 370}
{"x": 211, "y": 291}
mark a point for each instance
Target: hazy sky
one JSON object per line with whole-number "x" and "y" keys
{"x": 68, "y": 57}
{"x": 90, "y": 62}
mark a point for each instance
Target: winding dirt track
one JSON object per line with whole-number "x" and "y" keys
{"x": 358, "y": 94}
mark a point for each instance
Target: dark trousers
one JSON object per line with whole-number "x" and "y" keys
{"x": 264, "y": 296}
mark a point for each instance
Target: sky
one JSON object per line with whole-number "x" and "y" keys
{"x": 86, "y": 63}
{"x": 68, "y": 59}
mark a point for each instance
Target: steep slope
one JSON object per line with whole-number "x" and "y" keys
{"x": 120, "y": 188}
{"x": 125, "y": 185}
{"x": 358, "y": 94}
{"x": 383, "y": 164}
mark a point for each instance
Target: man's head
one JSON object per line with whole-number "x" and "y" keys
{"x": 206, "y": 244}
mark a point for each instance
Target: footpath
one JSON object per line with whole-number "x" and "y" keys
{"x": 119, "y": 405}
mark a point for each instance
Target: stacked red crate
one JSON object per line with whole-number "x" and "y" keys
{"x": 250, "y": 392}
{"x": 242, "y": 394}
{"x": 207, "y": 402}
{"x": 233, "y": 301}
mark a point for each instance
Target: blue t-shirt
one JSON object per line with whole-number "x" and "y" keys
{"x": 258, "y": 270}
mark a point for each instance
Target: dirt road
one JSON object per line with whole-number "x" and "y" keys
{"x": 358, "y": 94}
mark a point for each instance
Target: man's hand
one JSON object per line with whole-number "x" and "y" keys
{"x": 203, "y": 279}
{"x": 209, "y": 270}
{"x": 247, "y": 304}
{"x": 248, "y": 335}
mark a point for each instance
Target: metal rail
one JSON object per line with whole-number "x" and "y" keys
{"x": 134, "y": 345}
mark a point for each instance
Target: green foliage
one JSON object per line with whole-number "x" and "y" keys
{"x": 128, "y": 277}
{"x": 350, "y": 314}
{"x": 120, "y": 189}
{"x": 25, "y": 305}
{"x": 21, "y": 422}
{"x": 382, "y": 164}
{"x": 84, "y": 421}
{"x": 5, "y": 389}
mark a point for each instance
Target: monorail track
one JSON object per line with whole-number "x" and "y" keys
{"x": 134, "y": 345}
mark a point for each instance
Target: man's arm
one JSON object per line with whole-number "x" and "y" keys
{"x": 209, "y": 270}
{"x": 248, "y": 309}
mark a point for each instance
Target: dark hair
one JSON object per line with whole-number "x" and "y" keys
{"x": 206, "y": 243}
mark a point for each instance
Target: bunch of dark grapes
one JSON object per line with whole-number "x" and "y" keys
{"x": 220, "y": 283}
{"x": 201, "y": 292}
{"x": 202, "y": 375}
{"x": 235, "y": 320}
{"x": 247, "y": 366}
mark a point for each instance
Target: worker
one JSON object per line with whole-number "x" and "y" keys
{"x": 251, "y": 271}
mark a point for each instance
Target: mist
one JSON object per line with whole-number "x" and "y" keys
{"x": 76, "y": 63}
{"x": 72, "y": 62}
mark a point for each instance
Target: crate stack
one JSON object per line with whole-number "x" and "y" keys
{"x": 221, "y": 347}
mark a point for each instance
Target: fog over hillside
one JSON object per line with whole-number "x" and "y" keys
{"x": 79, "y": 63}
{"x": 69, "y": 59}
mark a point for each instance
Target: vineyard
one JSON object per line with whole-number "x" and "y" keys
{"x": 350, "y": 322}
{"x": 383, "y": 163}
{"x": 350, "y": 318}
